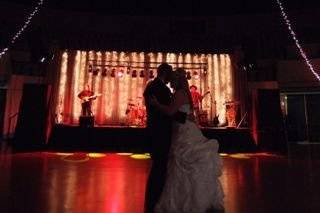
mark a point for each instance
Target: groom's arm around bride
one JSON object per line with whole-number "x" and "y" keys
{"x": 159, "y": 133}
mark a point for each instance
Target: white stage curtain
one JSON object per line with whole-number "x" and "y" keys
{"x": 117, "y": 92}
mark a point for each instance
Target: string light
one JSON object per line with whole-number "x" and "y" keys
{"x": 294, "y": 37}
{"x": 25, "y": 25}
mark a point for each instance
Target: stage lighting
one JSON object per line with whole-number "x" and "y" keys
{"x": 151, "y": 74}
{"x": 113, "y": 73}
{"x": 90, "y": 68}
{"x": 120, "y": 73}
{"x": 95, "y": 71}
{"x": 134, "y": 73}
{"x": 205, "y": 70}
{"x": 196, "y": 75}
{"x": 104, "y": 72}
{"x": 142, "y": 74}
{"x": 188, "y": 75}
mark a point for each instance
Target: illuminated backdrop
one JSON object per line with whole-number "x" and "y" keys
{"x": 122, "y": 76}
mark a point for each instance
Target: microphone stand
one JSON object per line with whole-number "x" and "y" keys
{"x": 211, "y": 110}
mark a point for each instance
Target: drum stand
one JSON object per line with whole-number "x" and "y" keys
{"x": 214, "y": 119}
{"x": 211, "y": 113}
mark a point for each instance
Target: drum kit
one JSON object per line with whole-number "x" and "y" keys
{"x": 137, "y": 116}
{"x": 136, "y": 112}
{"x": 203, "y": 116}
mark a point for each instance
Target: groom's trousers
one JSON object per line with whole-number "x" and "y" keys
{"x": 159, "y": 155}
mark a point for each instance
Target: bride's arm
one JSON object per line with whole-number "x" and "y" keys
{"x": 173, "y": 107}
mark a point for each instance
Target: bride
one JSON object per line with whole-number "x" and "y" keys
{"x": 194, "y": 166}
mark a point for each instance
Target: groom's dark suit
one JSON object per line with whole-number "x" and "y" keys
{"x": 159, "y": 127}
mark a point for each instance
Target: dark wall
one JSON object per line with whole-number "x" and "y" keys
{"x": 3, "y": 93}
{"x": 262, "y": 34}
{"x": 31, "y": 123}
{"x": 271, "y": 135}
{"x": 303, "y": 118}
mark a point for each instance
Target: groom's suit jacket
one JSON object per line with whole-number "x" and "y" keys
{"x": 158, "y": 124}
{"x": 163, "y": 94}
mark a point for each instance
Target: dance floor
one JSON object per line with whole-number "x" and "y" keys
{"x": 115, "y": 182}
{"x": 134, "y": 139}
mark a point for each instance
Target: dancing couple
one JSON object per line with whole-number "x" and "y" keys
{"x": 185, "y": 164}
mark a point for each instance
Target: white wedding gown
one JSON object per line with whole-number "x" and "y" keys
{"x": 194, "y": 166}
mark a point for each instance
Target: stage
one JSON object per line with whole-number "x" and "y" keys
{"x": 115, "y": 81}
{"x": 134, "y": 139}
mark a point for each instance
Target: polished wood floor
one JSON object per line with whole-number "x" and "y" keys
{"x": 115, "y": 183}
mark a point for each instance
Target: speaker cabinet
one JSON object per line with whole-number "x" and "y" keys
{"x": 86, "y": 121}
{"x": 3, "y": 93}
{"x": 270, "y": 126}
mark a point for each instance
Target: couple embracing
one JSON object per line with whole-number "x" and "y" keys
{"x": 185, "y": 164}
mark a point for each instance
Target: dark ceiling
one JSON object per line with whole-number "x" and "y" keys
{"x": 173, "y": 7}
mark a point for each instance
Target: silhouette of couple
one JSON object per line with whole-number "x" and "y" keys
{"x": 185, "y": 165}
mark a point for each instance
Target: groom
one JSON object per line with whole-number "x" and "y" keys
{"x": 159, "y": 128}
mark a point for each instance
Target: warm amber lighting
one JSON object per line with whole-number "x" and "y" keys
{"x": 140, "y": 156}
{"x": 125, "y": 154}
{"x": 62, "y": 84}
{"x": 63, "y": 153}
{"x": 124, "y": 89}
{"x": 75, "y": 103}
{"x": 239, "y": 156}
{"x": 96, "y": 85}
{"x": 229, "y": 82}
{"x": 96, "y": 155}
{"x": 218, "y": 89}
{"x": 223, "y": 82}
{"x": 76, "y": 158}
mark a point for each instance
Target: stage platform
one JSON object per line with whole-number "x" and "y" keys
{"x": 134, "y": 139}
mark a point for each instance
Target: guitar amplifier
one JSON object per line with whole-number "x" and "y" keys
{"x": 86, "y": 121}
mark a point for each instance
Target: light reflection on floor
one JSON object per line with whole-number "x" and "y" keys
{"x": 115, "y": 182}
{"x": 147, "y": 155}
{"x": 86, "y": 156}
